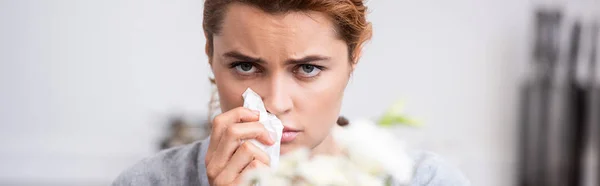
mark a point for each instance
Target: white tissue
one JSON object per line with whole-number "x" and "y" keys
{"x": 273, "y": 125}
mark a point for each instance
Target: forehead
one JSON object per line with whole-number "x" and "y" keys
{"x": 245, "y": 27}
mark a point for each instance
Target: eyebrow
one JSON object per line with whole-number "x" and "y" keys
{"x": 246, "y": 58}
{"x": 242, "y": 57}
{"x": 307, "y": 59}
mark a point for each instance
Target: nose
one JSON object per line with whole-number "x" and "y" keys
{"x": 277, "y": 99}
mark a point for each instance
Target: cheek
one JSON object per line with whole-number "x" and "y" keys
{"x": 229, "y": 89}
{"x": 321, "y": 101}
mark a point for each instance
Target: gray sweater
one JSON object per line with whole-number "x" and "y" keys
{"x": 184, "y": 166}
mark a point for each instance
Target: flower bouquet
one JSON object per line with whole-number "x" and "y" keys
{"x": 372, "y": 157}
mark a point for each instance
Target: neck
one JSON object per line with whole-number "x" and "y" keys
{"x": 327, "y": 146}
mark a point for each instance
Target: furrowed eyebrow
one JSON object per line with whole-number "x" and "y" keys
{"x": 247, "y": 58}
{"x": 243, "y": 57}
{"x": 308, "y": 59}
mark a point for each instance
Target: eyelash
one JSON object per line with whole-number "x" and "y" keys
{"x": 299, "y": 68}
{"x": 235, "y": 64}
{"x": 259, "y": 69}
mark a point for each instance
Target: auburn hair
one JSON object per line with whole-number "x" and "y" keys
{"x": 348, "y": 16}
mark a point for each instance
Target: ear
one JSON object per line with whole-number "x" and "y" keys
{"x": 364, "y": 38}
{"x": 208, "y": 52}
{"x": 356, "y": 54}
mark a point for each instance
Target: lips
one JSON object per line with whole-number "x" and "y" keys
{"x": 289, "y": 134}
{"x": 290, "y": 129}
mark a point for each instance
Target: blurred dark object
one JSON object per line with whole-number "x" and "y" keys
{"x": 342, "y": 121}
{"x": 180, "y": 133}
{"x": 559, "y": 104}
{"x": 535, "y": 96}
{"x": 591, "y": 135}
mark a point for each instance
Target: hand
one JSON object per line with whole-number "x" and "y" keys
{"x": 229, "y": 155}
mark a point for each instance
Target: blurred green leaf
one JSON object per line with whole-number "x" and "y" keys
{"x": 395, "y": 116}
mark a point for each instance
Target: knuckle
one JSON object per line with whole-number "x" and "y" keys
{"x": 232, "y": 131}
{"x": 246, "y": 146}
{"x": 218, "y": 120}
{"x": 207, "y": 160}
{"x": 238, "y": 113}
{"x": 254, "y": 164}
{"x": 211, "y": 172}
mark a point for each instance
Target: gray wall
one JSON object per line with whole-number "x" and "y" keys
{"x": 86, "y": 85}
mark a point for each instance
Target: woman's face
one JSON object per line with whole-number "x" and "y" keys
{"x": 295, "y": 61}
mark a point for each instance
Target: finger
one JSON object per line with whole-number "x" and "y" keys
{"x": 231, "y": 141}
{"x": 246, "y": 153}
{"x": 234, "y": 134}
{"x": 237, "y": 115}
{"x": 221, "y": 122}
{"x": 253, "y": 165}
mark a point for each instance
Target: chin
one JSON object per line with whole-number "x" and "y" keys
{"x": 286, "y": 148}
{"x": 289, "y": 147}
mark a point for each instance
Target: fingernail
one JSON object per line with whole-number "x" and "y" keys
{"x": 256, "y": 112}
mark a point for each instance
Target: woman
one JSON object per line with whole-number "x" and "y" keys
{"x": 298, "y": 55}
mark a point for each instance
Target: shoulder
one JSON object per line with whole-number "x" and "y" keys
{"x": 176, "y": 166}
{"x": 432, "y": 170}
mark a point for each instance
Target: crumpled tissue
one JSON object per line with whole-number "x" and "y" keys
{"x": 253, "y": 101}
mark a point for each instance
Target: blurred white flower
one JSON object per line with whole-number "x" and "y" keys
{"x": 373, "y": 154}
{"x": 274, "y": 180}
{"x": 265, "y": 177}
{"x": 366, "y": 179}
{"x": 359, "y": 177}
{"x": 288, "y": 165}
{"x": 375, "y": 150}
{"x": 323, "y": 170}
